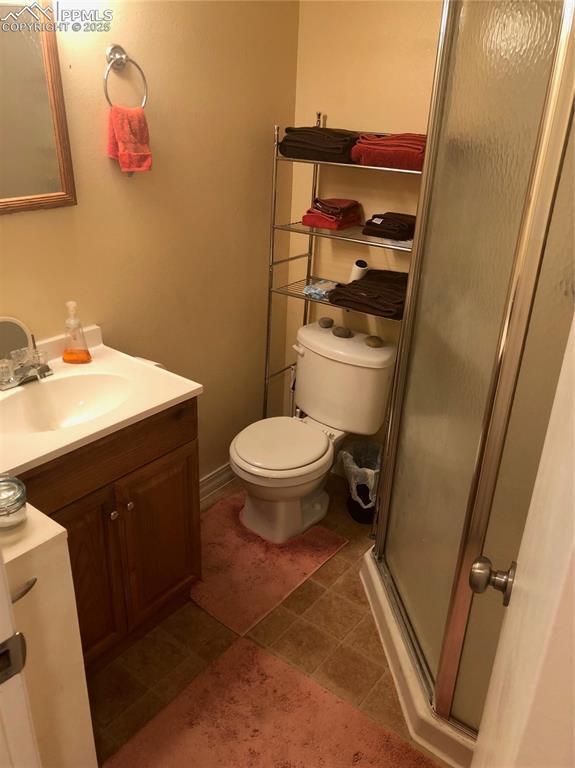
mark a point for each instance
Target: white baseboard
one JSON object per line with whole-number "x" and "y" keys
{"x": 437, "y": 736}
{"x": 214, "y": 481}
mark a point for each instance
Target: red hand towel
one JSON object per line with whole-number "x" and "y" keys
{"x": 128, "y": 139}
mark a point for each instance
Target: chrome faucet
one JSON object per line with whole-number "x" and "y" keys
{"x": 24, "y": 365}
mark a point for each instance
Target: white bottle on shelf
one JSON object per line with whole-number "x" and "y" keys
{"x": 358, "y": 270}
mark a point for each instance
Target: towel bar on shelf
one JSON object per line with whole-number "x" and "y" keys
{"x": 117, "y": 58}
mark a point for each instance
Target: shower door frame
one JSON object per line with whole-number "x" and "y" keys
{"x": 540, "y": 197}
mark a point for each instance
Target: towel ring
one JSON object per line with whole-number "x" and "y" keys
{"x": 117, "y": 58}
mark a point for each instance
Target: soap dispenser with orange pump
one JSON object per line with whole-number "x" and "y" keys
{"x": 75, "y": 347}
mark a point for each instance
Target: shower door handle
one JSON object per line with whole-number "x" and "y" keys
{"x": 483, "y": 575}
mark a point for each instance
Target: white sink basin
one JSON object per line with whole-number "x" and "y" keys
{"x": 60, "y": 403}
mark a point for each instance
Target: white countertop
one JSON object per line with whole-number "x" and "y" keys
{"x": 152, "y": 390}
{"x": 37, "y": 529}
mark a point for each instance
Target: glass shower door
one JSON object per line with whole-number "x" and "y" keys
{"x": 496, "y": 75}
{"x": 545, "y": 345}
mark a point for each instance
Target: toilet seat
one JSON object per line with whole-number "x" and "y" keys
{"x": 289, "y": 447}
{"x": 280, "y": 443}
{"x": 278, "y": 479}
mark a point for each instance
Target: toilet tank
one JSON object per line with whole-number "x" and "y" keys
{"x": 343, "y": 382}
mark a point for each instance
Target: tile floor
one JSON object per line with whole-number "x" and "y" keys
{"x": 324, "y": 628}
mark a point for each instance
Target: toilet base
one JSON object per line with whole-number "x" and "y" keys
{"x": 278, "y": 521}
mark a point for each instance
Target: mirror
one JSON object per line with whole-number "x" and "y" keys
{"x": 13, "y": 335}
{"x": 35, "y": 160}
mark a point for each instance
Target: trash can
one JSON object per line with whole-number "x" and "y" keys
{"x": 361, "y": 462}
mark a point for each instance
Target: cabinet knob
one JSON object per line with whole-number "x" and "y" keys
{"x": 130, "y": 506}
{"x": 114, "y": 515}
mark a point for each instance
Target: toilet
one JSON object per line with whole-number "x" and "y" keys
{"x": 343, "y": 381}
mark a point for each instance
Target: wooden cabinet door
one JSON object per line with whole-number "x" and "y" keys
{"x": 159, "y": 513}
{"x": 94, "y": 546}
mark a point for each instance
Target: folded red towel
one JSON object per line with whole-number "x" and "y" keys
{"x": 399, "y": 150}
{"x": 128, "y": 139}
{"x": 336, "y": 207}
{"x": 415, "y": 140}
{"x": 317, "y": 219}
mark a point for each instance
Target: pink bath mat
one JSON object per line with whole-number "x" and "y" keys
{"x": 249, "y": 709}
{"x": 245, "y": 577}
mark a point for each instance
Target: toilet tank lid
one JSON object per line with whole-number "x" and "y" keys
{"x": 353, "y": 351}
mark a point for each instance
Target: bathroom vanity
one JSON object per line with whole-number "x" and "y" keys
{"x": 130, "y": 504}
{"x": 109, "y": 450}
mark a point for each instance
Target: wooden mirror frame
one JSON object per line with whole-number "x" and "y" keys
{"x": 67, "y": 195}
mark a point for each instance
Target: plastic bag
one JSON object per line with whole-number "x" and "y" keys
{"x": 361, "y": 462}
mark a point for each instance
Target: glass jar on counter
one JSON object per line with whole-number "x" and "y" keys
{"x": 12, "y": 501}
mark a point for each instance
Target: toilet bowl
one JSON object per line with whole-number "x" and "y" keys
{"x": 282, "y": 463}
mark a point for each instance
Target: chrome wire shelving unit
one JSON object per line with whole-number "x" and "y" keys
{"x": 295, "y": 289}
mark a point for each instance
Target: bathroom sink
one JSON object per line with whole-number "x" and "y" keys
{"x": 62, "y": 402}
{"x": 79, "y": 404}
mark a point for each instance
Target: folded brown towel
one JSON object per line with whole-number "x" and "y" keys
{"x": 379, "y": 292}
{"x": 395, "y": 226}
{"x": 316, "y": 143}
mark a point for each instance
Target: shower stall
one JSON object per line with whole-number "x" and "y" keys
{"x": 489, "y": 306}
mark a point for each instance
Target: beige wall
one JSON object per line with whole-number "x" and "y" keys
{"x": 172, "y": 264}
{"x": 367, "y": 66}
